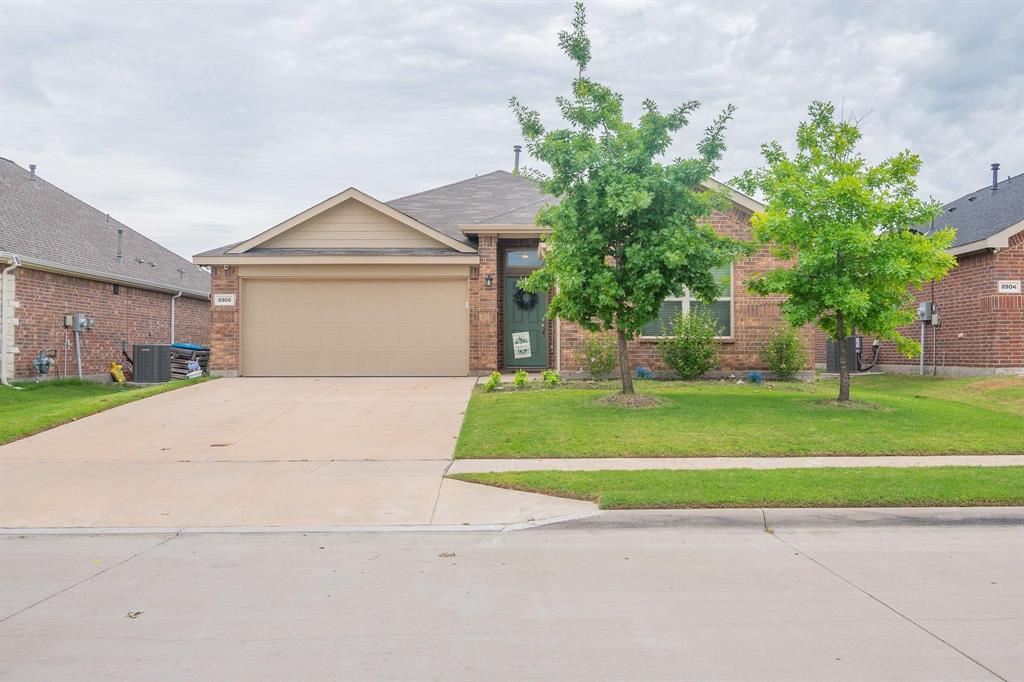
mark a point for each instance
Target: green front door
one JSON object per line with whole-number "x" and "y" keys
{"x": 526, "y": 344}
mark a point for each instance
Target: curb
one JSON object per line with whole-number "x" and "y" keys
{"x": 776, "y": 519}
{"x": 669, "y": 519}
{"x": 274, "y": 530}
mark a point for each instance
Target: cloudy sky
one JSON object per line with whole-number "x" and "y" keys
{"x": 200, "y": 124}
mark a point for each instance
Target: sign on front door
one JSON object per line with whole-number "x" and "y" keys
{"x": 521, "y": 344}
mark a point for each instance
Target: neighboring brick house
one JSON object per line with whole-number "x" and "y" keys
{"x": 426, "y": 285}
{"x": 980, "y": 302}
{"x": 62, "y": 256}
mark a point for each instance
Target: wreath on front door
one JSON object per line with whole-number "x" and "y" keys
{"x": 525, "y": 300}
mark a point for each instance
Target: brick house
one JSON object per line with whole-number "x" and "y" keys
{"x": 61, "y": 256}
{"x": 980, "y": 303}
{"x": 426, "y": 285}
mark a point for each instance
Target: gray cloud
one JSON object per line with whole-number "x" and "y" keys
{"x": 201, "y": 124}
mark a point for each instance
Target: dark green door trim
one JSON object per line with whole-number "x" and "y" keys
{"x": 527, "y": 326}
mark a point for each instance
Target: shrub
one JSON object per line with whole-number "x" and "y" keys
{"x": 520, "y": 379}
{"x": 689, "y": 346}
{"x": 550, "y": 377}
{"x": 598, "y": 355}
{"x": 784, "y": 353}
{"x": 492, "y": 382}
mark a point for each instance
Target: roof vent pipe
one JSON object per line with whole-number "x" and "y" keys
{"x": 120, "y": 245}
{"x": 32, "y": 171}
{"x": 995, "y": 176}
{"x": 517, "y": 148}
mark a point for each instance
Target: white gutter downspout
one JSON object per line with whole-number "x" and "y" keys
{"x": 173, "y": 299}
{"x": 15, "y": 263}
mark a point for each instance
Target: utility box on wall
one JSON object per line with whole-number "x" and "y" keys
{"x": 853, "y": 348}
{"x": 151, "y": 363}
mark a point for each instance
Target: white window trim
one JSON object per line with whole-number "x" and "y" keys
{"x": 685, "y": 300}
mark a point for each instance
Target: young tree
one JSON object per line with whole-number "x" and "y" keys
{"x": 628, "y": 231}
{"x": 848, "y": 226}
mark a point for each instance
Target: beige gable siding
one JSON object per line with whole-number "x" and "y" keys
{"x": 351, "y": 224}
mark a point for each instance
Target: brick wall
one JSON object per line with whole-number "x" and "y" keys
{"x": 979, "y": 328}
{"x": 224, "y": 331}
{"x": 753, "y": 316}
{"x": 484, "y": 347}
{"x": 133, "y": 315}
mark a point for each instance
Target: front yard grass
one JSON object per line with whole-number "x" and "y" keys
{"x": 43, "y": 405}
{"x": 831, "y": 487}
{"x": 912, "y": 416}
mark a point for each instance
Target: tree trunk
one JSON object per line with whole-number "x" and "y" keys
{"x": 627, "y": 377}
{"x": 844, "y": 368}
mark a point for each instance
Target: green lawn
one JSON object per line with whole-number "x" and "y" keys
{"x": 833, "y": 487}
{"x": 915, "y": 415}
{"x": 50, "y": 403}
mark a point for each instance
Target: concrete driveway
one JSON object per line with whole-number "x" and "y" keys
{"x": 261, "y": 452}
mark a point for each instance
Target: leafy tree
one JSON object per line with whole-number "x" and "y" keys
{"x": 628, "y": 231}
{"x": 848, "y": 225}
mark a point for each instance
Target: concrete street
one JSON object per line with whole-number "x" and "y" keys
{"x": 657, "y": 595}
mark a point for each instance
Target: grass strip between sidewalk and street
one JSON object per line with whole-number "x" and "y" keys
{"x": 723, "y": 488}
{"x": 44, "y": 405}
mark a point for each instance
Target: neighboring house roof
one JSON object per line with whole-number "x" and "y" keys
{"x": 497, "y": 197}
{"x": 984, "y": 215}
{"x": 48, "y": 228}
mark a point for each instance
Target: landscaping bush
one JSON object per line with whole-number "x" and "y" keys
{"x": 689, "y": 345}
{"x": 598, "y": 355}
{"x": 784, "y": 353}
{"x": 550, "y": 377}
{"x": 520, "y": 379}
{"x": 492, "y": 382}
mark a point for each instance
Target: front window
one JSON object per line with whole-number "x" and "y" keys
{"x": 720, "y": 309}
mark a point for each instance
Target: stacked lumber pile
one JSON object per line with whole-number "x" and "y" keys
{"x": 180, "y": 357}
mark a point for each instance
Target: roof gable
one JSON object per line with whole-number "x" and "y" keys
{"x": 349, "y": 219}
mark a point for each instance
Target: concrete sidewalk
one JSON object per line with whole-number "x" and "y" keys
{"x": 469, "y": 466}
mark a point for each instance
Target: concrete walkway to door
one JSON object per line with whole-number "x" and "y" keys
{"x": 262, "y": 452}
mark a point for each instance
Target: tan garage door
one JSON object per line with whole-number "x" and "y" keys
{"x": 354, "y": 327}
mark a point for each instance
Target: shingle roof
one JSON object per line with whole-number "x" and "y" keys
{"x": 985, "y": 212}
{"x": 494, "y": 198}
{"x": 45, "y": 225}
